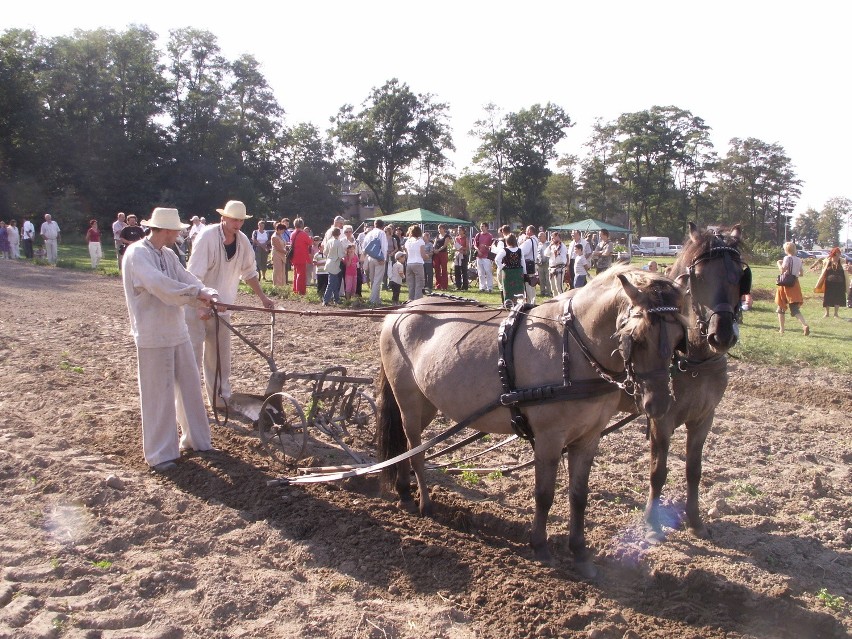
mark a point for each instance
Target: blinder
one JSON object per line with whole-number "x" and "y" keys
{"x": 745, "y": 281}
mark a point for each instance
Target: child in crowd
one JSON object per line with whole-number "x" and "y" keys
{"x": 581, "y": 266}
{"x": 397, "y": 275}
{"x": 350, "y": 276}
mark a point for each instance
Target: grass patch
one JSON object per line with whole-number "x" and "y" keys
{"x": 103, "y": 564}
{"x": 744, "y": 488}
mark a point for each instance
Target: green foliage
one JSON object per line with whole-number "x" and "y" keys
{"x": 835, "y": 602}
{"x": 103, "y": 564}
{"x": 470, "y": 477}
{"x": 745, "y": 488}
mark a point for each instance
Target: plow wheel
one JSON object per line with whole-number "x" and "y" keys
{"x": 361, "y": 420}
{"x": 282, "y": 428}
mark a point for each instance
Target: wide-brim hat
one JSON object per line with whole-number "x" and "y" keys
{"x": 235, "y": 210}
{"x": 162, "y": 218}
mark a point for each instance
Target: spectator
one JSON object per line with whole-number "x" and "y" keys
{"x": 603, "y": 253}
{"x": 260, "y": 239}
{"x": 581, "y": 266}
{"x": 338, "y": 223}
{"x": 790, "y": 295}
{"x": 350, "y": 274}
{"x": 558, "y": 256}
{"x": 440, "y": 254}
{"x": 482, "y": 244}
{"x": 221, "y": 256}
{"x": 28, "y": 237}
{"x": 93, "y": 237}
{"x": 416, "y": 256}
{"x": 335, "y": 251}
{"x": 376, "y": 266}
{"x": 5, "y": 249}
{"x": 50, "y": 234}
{"x": 543, "y": 263}
{"x": 131, "y": 233}
{"x": 832, "y": 283}
{"x": 461, "y": 244}
{"x": 301, "y": 254}
{"x": 117, "y": 228}
{"x": 196, "y": 226}
{"x": 397, "y": 275}
{"x": 510, "y": 260}
{"x": 280, "y": 248}
{"x": 529, "y": 248}
{"x": 428, "y": 267}
{"x": 14, "y": 240}
{"x": 155, "y": 288}
{"x": 652, "y": 266}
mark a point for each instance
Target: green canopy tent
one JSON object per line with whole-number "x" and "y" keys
{"x": 421, "y": 216}
{"x": 590, "y": 225}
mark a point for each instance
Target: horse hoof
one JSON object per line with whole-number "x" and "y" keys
{"x": 701, "y": 531}
{"x": 408, "y": 505}
{"x": 587, "y": 569}
{"x": 427, "y": 510}
{"x": 543, "y": 556}
{"x": 654, "y": 536}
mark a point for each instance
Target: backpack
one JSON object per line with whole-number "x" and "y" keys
{"x": 374, "y": 248}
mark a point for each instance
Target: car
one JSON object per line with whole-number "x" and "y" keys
{"x": 804, "y": 254}
{"x": 638, "y": 250}
{"x": 673, "y": 249}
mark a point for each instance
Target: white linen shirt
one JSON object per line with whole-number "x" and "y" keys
{"x": 28, "y": 230}
{"x": 211, "y": 265}
{"x": 156, "y": 288}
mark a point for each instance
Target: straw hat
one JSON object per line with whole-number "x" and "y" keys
{"x": 162, "y": 218}
{"x": 234, "y": 209}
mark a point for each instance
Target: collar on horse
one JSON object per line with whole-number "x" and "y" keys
{"x": 627, "y": 380}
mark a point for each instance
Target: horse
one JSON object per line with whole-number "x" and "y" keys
{"x": 713, "y": 278}
{"x": 440, "y": 356}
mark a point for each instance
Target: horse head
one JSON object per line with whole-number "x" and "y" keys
{"x": 649, "y": 330}
{"x": 714, "y": 277}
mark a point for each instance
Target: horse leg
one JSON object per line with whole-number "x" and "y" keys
{"x": 546, "y": 467}
{"x": 580, "y": 457}
{"x": 696, "y": 435}
{"x": 660, "y": 434}
{"x": 414, "y": 422}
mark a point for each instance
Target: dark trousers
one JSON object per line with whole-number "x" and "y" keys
{"x": 396, "y": 288}
{"x": 460, "y": 270}
{"x": 28, "y": 249}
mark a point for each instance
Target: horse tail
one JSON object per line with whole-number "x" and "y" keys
{"x": 391, "y": 436}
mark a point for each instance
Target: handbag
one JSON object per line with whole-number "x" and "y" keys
{"x": 785, "y": 279}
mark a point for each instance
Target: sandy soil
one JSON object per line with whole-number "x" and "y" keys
{"x": 92, "y": 544}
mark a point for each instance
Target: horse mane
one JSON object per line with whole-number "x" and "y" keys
{"x": 659, "y": 290}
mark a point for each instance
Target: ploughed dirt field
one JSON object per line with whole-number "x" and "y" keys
{"x": 93, "y": 544}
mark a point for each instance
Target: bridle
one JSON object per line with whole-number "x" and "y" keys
{"x": 730, "y": 255}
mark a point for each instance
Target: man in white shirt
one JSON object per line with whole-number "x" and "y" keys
{"x": 221, "y": 256}
{"x": 376, "y": 265}
{"x": 28, "y": 237}
{"x": 50, "y": 234}
{"x": 117, "y": 228}
{"x": 529, "y": 252}
{"x": 156, "y": 286}
{"x": 194, "y": 230}
{"x": 338, "y": 223}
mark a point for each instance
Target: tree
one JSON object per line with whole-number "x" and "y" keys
{"x": 805, "y": 231}
{"x": 492, "y": 153}
{"x": 562, "y": 189}
{"x": 831, "y": 220}
{"x": 391, "y": 132}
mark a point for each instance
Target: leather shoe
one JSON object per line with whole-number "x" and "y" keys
{"x": 164, "y": 467}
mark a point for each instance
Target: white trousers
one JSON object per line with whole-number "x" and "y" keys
{"x": 95, "y": 253}
{"x": 486, "y": 277}
{"x": 202, "y": 334}
{"x": 170, "y": 395}
{"x": 51, "y": 247}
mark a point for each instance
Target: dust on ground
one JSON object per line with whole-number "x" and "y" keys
{"x": 92, "y": 544}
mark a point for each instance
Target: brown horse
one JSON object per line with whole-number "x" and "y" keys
{"x": 713, "y": 277}
{"x": 446, "y": 361}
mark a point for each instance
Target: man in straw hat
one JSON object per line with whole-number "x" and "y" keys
{"x": 221, "y": 256}
{"x": 156, "y": 286}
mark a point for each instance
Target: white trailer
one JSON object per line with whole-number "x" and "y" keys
{"x": 654, "y": 244}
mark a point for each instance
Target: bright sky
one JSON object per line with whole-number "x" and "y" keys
{"x": 769, "y": 70}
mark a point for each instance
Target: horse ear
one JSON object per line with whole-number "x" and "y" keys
{"x": 736, "y": 232}
{"x": 693, "y": 232}
{"x": 632, "y": 292}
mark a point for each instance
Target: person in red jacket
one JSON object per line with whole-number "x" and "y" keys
{"x": 300, "y": 255}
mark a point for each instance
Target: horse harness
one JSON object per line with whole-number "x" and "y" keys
{"x": 730, "y": 255}
{"x": 627, "y": 380}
